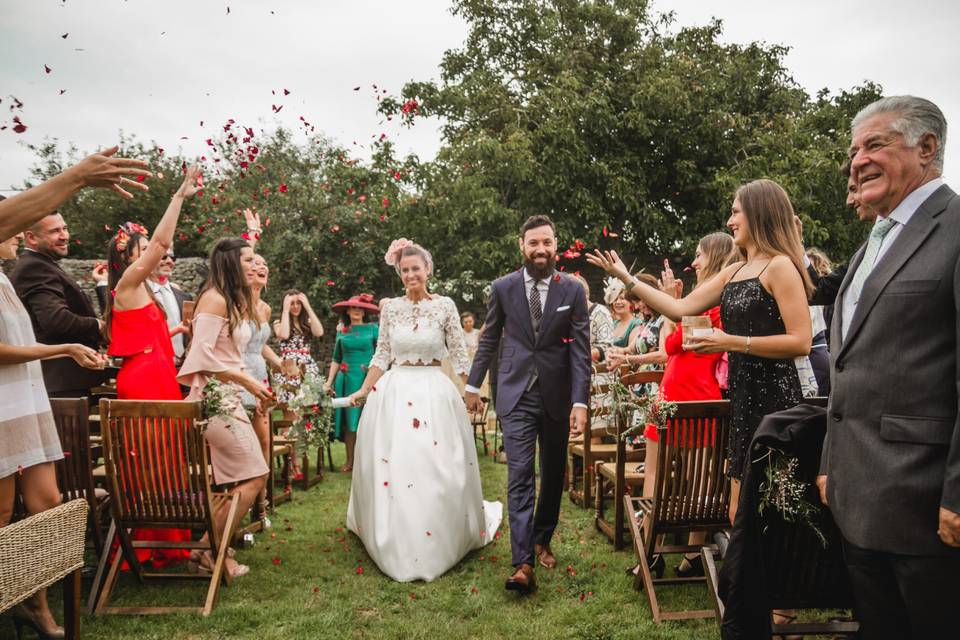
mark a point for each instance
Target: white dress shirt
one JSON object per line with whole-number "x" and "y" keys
{"x": 901, "y": 215}
{"x": 165, "y": 296}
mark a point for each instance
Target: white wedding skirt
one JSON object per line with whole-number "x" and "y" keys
{"x": 416, "y": 501}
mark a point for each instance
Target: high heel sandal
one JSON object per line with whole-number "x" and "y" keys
{"x": 784, "y": 618}
{"x": 657, "y": 567}
{"x": 693, "y": 569}
{"x": 203, "y": 564}
{"x": 23, "y": 618}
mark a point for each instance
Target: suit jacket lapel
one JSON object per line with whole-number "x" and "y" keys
{"x": 555, "y": 297}
{"x": 518, "y": 294}
{"x": 911, "y": 237}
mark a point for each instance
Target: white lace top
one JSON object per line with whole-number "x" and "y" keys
{"x": 420, "y": 332}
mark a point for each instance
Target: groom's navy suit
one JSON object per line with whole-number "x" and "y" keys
{"x": 542, "y": 373}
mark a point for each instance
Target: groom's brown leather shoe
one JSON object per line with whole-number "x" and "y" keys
{"x": 522, "y": 580}
{"x": 544, "y": 556}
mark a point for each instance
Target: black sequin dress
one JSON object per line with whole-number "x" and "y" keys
{"x": 757, "y": 386}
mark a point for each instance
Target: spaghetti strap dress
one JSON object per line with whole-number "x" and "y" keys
{"x": 757, "y": 386}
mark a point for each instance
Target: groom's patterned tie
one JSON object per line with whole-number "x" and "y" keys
{"x": 880, "y": 229}
{"x": 536, "y": 306}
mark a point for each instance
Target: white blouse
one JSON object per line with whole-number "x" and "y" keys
{"x": 420, "y": 332}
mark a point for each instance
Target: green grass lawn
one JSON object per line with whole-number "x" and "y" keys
{"x": 305, "y": 583}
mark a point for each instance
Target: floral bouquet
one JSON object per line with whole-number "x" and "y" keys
{"x": 314, "y": 412}
{"x": 218, "y": 400}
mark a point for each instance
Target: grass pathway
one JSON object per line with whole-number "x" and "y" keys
{"x": 311, "y": 578}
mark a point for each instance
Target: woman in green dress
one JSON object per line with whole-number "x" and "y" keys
{"x": 354, "y": 347}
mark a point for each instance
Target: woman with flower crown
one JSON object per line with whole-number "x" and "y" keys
{"x": 137, "y": 330}
{"x": 415, "y": 500}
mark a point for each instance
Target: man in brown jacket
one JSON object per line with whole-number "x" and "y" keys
{"x": 60, "y": 311}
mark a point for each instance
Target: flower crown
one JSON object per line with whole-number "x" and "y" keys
{"x": 124, "y": 232}
{"x": 392, "y": 256}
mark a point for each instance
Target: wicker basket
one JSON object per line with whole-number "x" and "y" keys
{"x": 40, "y": 550}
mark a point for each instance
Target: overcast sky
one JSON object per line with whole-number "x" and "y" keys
{"x": 157, "y": 69}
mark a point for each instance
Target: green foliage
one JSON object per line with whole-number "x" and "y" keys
{"x": 632, "y": 133}
{"x": 606, "y": 117}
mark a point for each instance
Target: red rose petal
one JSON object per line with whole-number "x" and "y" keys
{"x": 276, "y": 562}
{"x": 416, "y": 423}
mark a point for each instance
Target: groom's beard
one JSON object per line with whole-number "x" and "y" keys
{"x": 538, "y": 272}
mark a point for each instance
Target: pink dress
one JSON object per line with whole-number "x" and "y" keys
{"x": 234, "y": 449}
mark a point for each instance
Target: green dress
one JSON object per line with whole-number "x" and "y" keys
{"x": 353, "y": 351}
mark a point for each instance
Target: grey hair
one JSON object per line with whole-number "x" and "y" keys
{"x": 415, "y": 250}
{"x": 918, "y": 117}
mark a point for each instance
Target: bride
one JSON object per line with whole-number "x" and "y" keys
{"x": 416, "y": 501}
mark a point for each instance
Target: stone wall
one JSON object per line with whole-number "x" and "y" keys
{"x": 187, "y": 272}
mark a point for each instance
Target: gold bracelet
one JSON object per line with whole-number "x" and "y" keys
{"x": 747, "y": 350}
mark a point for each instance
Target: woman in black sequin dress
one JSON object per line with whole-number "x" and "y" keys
{"x": 763, "y": 306}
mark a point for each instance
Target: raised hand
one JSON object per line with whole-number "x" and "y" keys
{"x": 253, "y": 220}
{"x": 192, "y": 182}
{"x": 99, "y": 273}
{"x": 105, "y": 171}
{"x": 610, "y": 262}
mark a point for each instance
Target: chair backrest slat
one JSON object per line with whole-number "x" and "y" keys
{"x": 156, "y": 463}
{"x": 75, "y": 470}
{"x": 691, "y": 488}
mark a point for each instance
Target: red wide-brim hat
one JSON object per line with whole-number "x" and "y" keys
{"x": 362, "y": 301}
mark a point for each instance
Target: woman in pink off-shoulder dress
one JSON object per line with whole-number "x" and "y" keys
{"x": 220, "y": 334}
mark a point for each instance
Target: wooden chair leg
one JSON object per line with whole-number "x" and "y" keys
{"x": 619, "y": 490}
{"x": 588, "y": 475}
{"x": 98, "y": 578}
{"x": 71, "y": 606}
{"x": 645, "y": 574}
{"x": 109, "y": 584}
{"x": 218, "y": 568}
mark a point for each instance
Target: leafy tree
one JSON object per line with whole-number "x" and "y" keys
{"x": 621, "y": 127}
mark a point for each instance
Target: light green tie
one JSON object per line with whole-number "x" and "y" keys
{"x": 880, "y": 229}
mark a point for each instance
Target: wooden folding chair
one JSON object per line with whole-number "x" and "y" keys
{"x": 478, "y": 420}
{"x": 583, "y": 455}
{"x": 157, "y": 464}
{"x": 613, "y": 478}
{"x": 281, "y": 457}
{"x": 691, "y": 493}
{"x": 75, "y": 470}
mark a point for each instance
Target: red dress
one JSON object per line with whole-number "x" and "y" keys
{"x": 688, "y": 376}
{"x": 141, "y": 337}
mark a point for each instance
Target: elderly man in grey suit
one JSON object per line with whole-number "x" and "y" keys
{"x": 890, "y": 470}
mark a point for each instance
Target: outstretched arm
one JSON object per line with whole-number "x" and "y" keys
{"x": 98, "y": 170}
{"x": 704, "y": 297}
{"x": 133, "y": 278}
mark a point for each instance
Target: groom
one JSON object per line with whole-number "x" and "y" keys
{"x": 543, "y": 388}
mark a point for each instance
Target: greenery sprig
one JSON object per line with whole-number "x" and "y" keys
{"x": 783, "y": 492}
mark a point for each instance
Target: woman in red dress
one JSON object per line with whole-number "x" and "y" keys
{"x": 687, "y": 376}
{"x": 136, "y": 327}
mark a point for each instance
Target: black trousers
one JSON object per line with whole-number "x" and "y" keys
{"x": 532, "y": 520}
{"x": 901, "y": 597}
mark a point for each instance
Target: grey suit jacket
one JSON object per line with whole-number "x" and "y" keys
{"x": 892, "y": 450}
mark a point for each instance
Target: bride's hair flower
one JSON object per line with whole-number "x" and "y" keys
{"x": 401, "y": 247}
{"x": 392, "y": 256}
